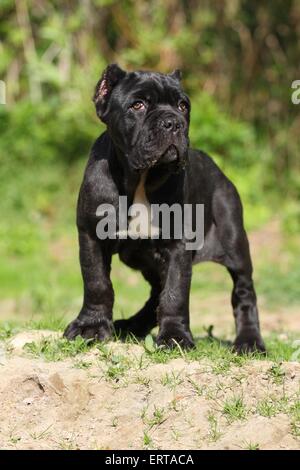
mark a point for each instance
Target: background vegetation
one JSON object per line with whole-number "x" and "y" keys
{"x": 238, "y": 57}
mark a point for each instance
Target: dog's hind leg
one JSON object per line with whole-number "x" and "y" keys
{"x": 145, "y": 319}
{"x": 248, "y": 337}
{"x": 232, "y": 236}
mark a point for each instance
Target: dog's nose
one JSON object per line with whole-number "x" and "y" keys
{"x": 171, "y": 124}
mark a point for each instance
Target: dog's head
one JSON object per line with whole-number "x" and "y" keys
{"x": 147, "y": 116}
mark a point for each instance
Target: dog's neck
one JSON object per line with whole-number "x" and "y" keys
{"x": 155, "y": 185}
{"x": 150, "y": 181}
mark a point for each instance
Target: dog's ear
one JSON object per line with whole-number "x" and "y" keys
{"x": 176, "y": 75}
{"x": 110, "y": 77}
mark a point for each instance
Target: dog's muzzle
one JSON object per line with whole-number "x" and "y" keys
{"x": 165, "y": 142}
{"x": 171, "y": 155}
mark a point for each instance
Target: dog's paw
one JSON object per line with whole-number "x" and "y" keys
{"x": 125, "y": 327}
{"x": 98, "y": 331}
{"x": 122, "y": 328}
{"x": 171, "y": 340}
{"x": 246, "y": 343}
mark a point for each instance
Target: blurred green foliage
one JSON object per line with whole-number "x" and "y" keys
{"x": 238, "y": 57}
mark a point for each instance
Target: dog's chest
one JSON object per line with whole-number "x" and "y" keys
{"x": 142, "y": 254}
{"x": 140, "y": 216}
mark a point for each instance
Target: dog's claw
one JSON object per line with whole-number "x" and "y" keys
{"x": 184, "y": 340}
{"x": 249, "y": 345}
{"x": 96, "y": 331}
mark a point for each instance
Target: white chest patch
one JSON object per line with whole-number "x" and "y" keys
{"x": 140, "y": 215}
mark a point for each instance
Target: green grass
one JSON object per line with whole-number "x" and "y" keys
{"x": 220, "y": 355}
{"x": 295, "y": 418}
{"x": 7, "y": 329}
{"x": 81, "y": 364}
{"x": 198, "y": 389}
{"x": 147, "y": 441}
{"x": 115, "y": 371}
{"x": 171, "y": 380}
{"x": 279, "y": 283}
{"x": 277, "y": 374}
{"x": 251, "y": 446}
{"x": 234, "y": 409}
{"x": 116, "y": 364}
{"x": 214, "y": 432}
{"x": 157, "y": 417}
{"x": 57, "y": 349}
{"x": 272, "y": 405}
{"x": 267, "y": 408}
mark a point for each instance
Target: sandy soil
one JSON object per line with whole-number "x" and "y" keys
{"x": 178, "y": 405}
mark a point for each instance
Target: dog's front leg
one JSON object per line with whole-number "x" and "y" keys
{"x": 95, "y": 318}
{"x": 173, "y": 309}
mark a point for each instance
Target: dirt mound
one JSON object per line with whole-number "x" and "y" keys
{"x": 90, "y": 401}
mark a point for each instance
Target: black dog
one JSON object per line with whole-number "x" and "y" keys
{"x": 147, "y": 119}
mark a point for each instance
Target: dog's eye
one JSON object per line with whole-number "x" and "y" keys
{"x": 182, "y": 106}
{"x": 137, "y": 105}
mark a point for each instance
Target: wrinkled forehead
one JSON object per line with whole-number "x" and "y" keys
{"x": 150, "y": 86}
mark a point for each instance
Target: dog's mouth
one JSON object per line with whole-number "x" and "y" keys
{"x": 170, "y": 155}
{"x": 172, "y": 159}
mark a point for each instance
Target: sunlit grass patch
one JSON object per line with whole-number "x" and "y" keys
{"x": 218, "y": 353}
{"x": 171, "y": 380}
{"x": 295, "y": 418}
{"x": 221, "y": 353}
{"x": 8, "y": 329}
{"x": 251, "y": 445}
{"x": 273, "y": 404}
{"x": 52, "y": 349}
{"x": 214, "y": 431}
{"x": 234, "y": 408}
